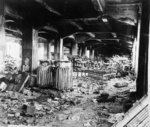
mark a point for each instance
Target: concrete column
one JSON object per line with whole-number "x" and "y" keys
{"x": 30, "y": 46}
{"x": 34, "y": 49}
{"x": 134, "y": 54}
{"x": 74, "y": 48}
{"x": 91, "y": 50}
{"x": 84, "y": 50}
{"x": 80, "y": 51}
{"x": 49, "y": 51}
{"x": 149, "y": 67}
{"x": 137, "y": 45}
{"x": 96, "y": 55}
{"x": 142, "y": 78}
{"x": 2, "y": 36}
{"x": 91, "y": 53}
{"x": 45, "y": 50}
{"x": 58, "y": 49}
{"x": 61, "y": 55}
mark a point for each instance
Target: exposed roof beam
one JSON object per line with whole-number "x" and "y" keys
{"x": 14, "y": 16}
{"x": 42, "y": 38}
{"x": 50, "y": 28}
{"x": 122, "y": 1}
{"x": 94, "y": 39}
{"x": 128, "y": 36}
{"x": 11, "y": 13}
{"x": 84, "y": 19}
{"x": 91, "y": 34}
{"x": 42, "y": 32}
{"x": 124, "y": 4}
{"x": 11, "y": 37}
{"x": 48, "y": 7}
{"x": 8, "y": 21}
{"x": 97, "y": 5}
{"x": 75, "y": 24}
{"x": 110, "y": 39}
{"x": 15, "y": 31}
{"x": 107, "y": 39}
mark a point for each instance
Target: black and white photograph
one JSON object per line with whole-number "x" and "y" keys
{"x": 74, "y": 63}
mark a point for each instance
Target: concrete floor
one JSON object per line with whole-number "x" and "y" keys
{"x": 82, "y": 108}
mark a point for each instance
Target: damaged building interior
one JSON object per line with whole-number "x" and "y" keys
{"x": 74, "y": 63}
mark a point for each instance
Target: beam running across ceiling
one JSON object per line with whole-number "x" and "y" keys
{"x": 75, "y": 24}
{"x": 42, "y": 3}
{"x": 50, "y": 28}
{"x": 98, "y": 6}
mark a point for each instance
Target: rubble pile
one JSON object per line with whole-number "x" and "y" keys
{"x": 92, "y": 102}
{"x": 88, "y": 104}
{"x": 106, "y": 68}
{"x": 31, "y": 108}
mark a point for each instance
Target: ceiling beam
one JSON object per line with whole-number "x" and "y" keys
{"x": 50, "y": 28}
{"x": 126, "y": 13}
{"x": 52, "y": 10}
{"x": 15, "y": 31}
{"x": 122, "y": 1}
{"x": 77, "y": 19}
{"x": 75, "y": 24}
{"x": 110, "y": 39}
{"x": 123, "y": 4}
{"x": 14, "y": 16}
{"x": 11, "y": 12}
{"x": 125, "y": 35}
{"x": 97, "y": 5}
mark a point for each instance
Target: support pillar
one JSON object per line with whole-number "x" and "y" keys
{"x": 91, "y": 53}
{"x": 74, "y": 49}
{"x": 34, "y": 49}
{"x": 80, "y": 51}
{"x": 58, "y": 49}
{"x": 84, "y": 50}
{"x": 61, "y": 55}
{"x": 134, "y": 54}
{"x": 49, "y": 51}
{"x": 142, "y": 78}
{"x": 149, "y": 66}
{"x": 30, "y": 47}
{"x": 96, "y": 55}
{"x": 46, "y": 50}
{"x": 2, "y": 36}
{"x": 137, "y": 45}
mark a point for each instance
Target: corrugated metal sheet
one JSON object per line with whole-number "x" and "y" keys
{"x": 137, "y": 116}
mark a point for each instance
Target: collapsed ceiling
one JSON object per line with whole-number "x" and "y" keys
{"x": 108, "y": 26}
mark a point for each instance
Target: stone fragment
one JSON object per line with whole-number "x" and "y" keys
{"x": 75, "y": 118}
{"x": 87, "y": 124}
{"x": 2, "y": 112}
{"x": 30, "y": 110}
{"x": 61, "y": 117}
{"x": 17, "y": 114}
{"x": 30, "y": 120}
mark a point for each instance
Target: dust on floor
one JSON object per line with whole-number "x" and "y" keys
{"x": 90, "y": 103}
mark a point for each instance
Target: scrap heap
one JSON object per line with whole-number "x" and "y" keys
{"x": 91, "y": 102}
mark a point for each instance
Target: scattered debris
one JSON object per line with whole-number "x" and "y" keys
{"x": 92, "y": 101}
